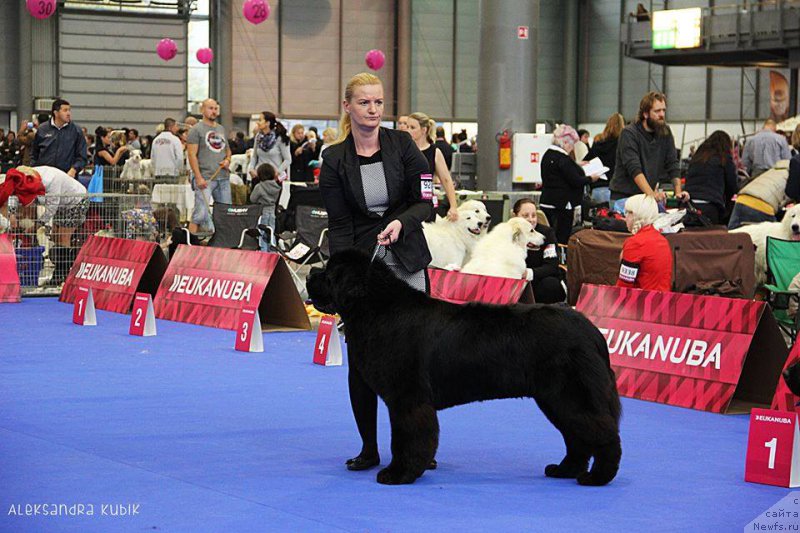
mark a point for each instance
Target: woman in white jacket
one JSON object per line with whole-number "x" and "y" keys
{"x": 271, "y": 145}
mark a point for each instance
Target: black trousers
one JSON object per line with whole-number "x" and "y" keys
{"x": 561, "y": 222}
{"x": 712, "y": 212}
{"x": 548, "y": 290}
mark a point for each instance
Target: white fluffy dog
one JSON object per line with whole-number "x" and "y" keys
{"x": 133, "y": 166}
{"x": 503, "y": 251}
{"x": 147, "y": 169}
{"x": 788, "y": 229}
{"x": 239, "y": 163}
{"x": 477, "y": 209}
{"x": 451, "y": 241}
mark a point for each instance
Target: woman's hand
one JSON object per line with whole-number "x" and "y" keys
{"x": 253, "y": 173}
{"x": 391, "y": 233}
{"x": 452, "y": 214}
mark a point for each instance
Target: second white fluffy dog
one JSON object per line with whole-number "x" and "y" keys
{"x": 503, "y": 251}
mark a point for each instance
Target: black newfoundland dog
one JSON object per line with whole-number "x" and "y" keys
{"x": 420, "y": 355}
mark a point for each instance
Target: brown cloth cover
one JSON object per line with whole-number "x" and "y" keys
{"x": 593, "y": 257}
{"x": 699, "y": 255}
{"x": 713, "y": 255}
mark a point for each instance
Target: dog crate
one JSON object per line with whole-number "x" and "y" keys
{"x": 42, "y": 260}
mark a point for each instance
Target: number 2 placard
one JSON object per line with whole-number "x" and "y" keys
{"x": 773, "y": 448}
{"x": 143, "y": 317}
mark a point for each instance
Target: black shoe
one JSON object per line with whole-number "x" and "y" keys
{"x": 363, "y": 463}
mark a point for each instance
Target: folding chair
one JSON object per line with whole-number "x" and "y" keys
{"x": 231, "y": 225}
{"x": 307, "y": 244}
{"x": 783, "y": 264}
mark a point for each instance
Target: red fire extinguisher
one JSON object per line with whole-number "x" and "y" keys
{"x": 504, "y": 140}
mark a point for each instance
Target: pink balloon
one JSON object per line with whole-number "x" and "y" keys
{"x": 205, "y": 55}
{"x": 167, "y": 49}
{"x": 375, "y": 59}
{"x": 256, "y": 11}
{"x": 41, "y": 9}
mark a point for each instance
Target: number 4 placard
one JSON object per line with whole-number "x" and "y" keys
{"x": 327, "y": 348}
{"x": 773, "y": 448}
{"x": 248, "y": 332}
{"x": 143, "y": 318}
{"x": 83, "y": 312}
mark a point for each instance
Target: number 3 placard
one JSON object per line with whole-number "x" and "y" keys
{"x": 327, "y": 348}
{"x": 143, "y": 317}
{"x": 773, "y": 448}
{"x": 248, "y": 332}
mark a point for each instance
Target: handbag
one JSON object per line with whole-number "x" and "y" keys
{"x": 96, "y": 185}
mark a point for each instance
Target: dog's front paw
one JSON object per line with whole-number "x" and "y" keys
{"x": 564, "y": 471}
{"x": 395, "y": 476}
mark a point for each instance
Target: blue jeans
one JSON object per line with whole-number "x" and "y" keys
{"x": 743, "y": 213}
{"x": 220, "y": 190}
{"x": 601, "y": 195}
{"x": 268, "y": 219}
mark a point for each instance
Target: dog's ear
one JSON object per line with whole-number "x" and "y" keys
{"x": 517, "y": 231}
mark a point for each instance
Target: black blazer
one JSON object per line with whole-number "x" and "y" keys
{"x": 562, "y": 180}
{"x": 350, "y": 224}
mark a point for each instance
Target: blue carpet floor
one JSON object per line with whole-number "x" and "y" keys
{"x": 203, "y": 438}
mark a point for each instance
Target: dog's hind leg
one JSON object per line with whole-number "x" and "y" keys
{"x": 576, "y": 461}
{"x": 606, "y": 463}
{"x": 415, "y": 437}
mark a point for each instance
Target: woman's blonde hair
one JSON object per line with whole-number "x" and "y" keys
{"x": 297, "y": 127}
{"x": 614, "y": 126}
{"x": 329, "y": 133}
{"x": 425, "y": 122}
{"x": 359, "y": 80}
{"x": 643, "y": 210}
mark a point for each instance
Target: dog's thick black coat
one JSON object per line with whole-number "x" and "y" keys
{"x": 421, "y": 355}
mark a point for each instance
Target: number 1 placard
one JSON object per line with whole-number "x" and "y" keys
{"x": 328, "y": 348}
{"x": 83, "y": 312}
{"x": 248, "y": 332}
{"x": 143, "y": 317}
{"x": 773, "y": 448}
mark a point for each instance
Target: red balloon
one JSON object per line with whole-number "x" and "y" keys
{"x": 167, "y": 49}
{"x": 375, "y": 59}
{"x": 205, "y": 55}
{"x": 41, "y": 9}
{"x": 256, "y": 11}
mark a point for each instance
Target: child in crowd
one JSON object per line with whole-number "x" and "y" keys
{"x": 266, "y": 190}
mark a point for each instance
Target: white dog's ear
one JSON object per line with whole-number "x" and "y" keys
{"x": 518, "y": 234}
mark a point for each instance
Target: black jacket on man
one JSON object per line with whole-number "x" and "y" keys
{"x": 63, "y": 148}
{"x": 642, "y": 152}
{"x": 562, "y": 180}
{"x": 351, "y": 224}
